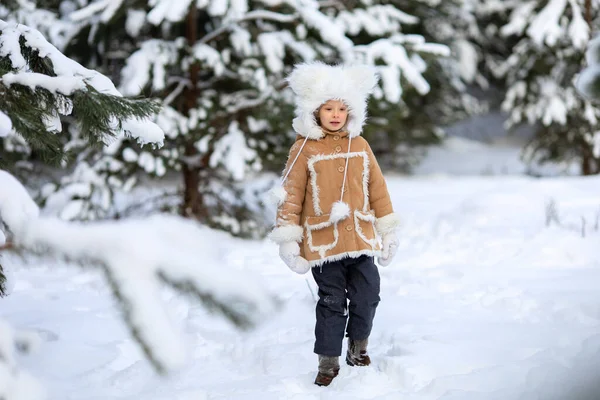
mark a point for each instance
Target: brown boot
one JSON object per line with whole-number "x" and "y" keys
{"x": 357, "y": 353}
{"x": 329, "y": 367}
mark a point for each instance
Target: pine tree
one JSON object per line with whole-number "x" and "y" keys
{"x": 422, "y": 119}
{"x": 137, "y": 256}
{"x": 39, "y": 85}
{"x": 549, "y": 39}
{"x": 219, "y": 69}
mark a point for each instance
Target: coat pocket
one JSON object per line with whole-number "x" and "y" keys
{"x": 364, "y": 223}
{"x": 321, "y": 234}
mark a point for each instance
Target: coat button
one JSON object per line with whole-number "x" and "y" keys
{"x": 338, "y": 148}
{"x": 336, "y": 137}
{"x": 341, "y": 169}
{"x": 348, "y": 227}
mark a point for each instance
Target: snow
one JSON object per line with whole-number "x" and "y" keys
{"x": 304, "y": 50}
{"x": 233, "y": 153}
{"x": 58, "y": 30}
{"x": 210, "y": 57}
{"x": 168, "y": 10}
{"x": 241, "y": 41}
{"x": 109, "y": 12}
{"x": 152, "y": 58}
{"x": 519, "y": 18}
{"x": 237, "y": 9}
{"x": 552, "y": 105}
{"x": 588, "y": 82}
{"x": 484, "y": 301}
{"x": 468, "y": 60}
{"x": 16, "y": 206}
{"x": 10, "y": 46}
{"x": 390, "y": 76}
{"x": 5, "y": 125}
{"x": 89, "y": 11}
{"x": 66, "y": 85}
{"x": 217, "y": 8}
{"x": 376, "y": 20}
{"x": 432, "y": 48}
{"x": 67, "y": 72}
{"x": 579, "y": 30}
{"x": 143, "y": 131}
{"x": 256, "y": 125}
{"x": 396, "y": 56}
{"x": 15, "y": 384}
{"x": 555, "y": 21}
{"x": 138, "y": 256}
{"x": 329, "y": 32}
{"x": 592, "y": 54}
{"x": 545, "y": 26}
{"x": 272, "y": 46}
{"x": 135, "y": 22}
{"x": 555, "y": 110}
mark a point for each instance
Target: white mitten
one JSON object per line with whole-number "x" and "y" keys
{"x": 390, "y": 246}
{"x": 290, "y": 254}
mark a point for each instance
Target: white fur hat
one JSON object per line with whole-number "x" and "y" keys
{"x": 315, "y": 83}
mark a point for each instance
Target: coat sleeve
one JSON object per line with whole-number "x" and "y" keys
{"x": 379, "y": 197}
{"x": 287, "y": 226}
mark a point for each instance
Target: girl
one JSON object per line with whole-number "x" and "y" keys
{"x": 334, "y": 210}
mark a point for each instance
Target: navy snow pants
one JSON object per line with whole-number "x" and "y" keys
{"x": 351, "y": 279}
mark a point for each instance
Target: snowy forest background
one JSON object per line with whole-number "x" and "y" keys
{"x": 123, "y": 111}
{"x": 215, "y": 73}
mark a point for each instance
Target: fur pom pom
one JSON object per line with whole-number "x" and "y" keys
{"x": 339, "y": 211}
{"x": 276, "y": 196}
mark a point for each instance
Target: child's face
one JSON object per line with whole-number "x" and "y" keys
{"x": 333, "y": 115}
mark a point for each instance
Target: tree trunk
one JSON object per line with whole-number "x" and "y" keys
{"x": 589, "y": 163}
{"x": 193, "y": 204}
{"x": 586, "y": 165}
{"x": 192, "y": 199}
{"x": 588, "y": 13}
{"x": 589, "y": 166}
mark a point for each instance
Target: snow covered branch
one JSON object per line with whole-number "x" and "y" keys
{"x": 588, "y": 82}
{"x": 38, "y": 84}
{"x": 252, "y": 15}
{"x": 138, "y": 256}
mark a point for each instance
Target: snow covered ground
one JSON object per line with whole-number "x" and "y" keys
{"x": 463, "y": 156}
{"x": 483, "y": 301}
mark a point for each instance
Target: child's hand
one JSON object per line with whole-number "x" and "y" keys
{"x": 390, "y": 246}
{"x": 290, "y": 254}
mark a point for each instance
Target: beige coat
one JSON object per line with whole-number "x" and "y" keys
{"x": 315, "y": 183}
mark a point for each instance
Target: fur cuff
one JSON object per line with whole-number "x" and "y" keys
{"x": 287, "y": 233}
{"x": 387, "y": 224}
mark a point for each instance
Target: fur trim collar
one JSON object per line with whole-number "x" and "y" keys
{"x": 315, "y": 83}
